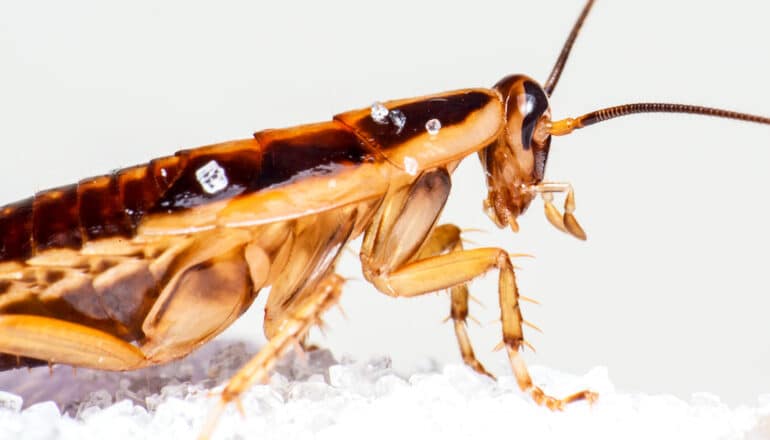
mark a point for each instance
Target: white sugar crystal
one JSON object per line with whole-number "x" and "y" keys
{"x": 433, "y": 126}
{"x": 212, "y": 177}
{"x": 10, "y": 402}
{"x": 316, "y": 397}
{"x": 389, "y": 384}
{"x": 379, "y": 113}
{"x": 411, "y": 166}
{"x": 41, "y": 421}
{"x": 398, "y": 118}
{"x": 316, "y": 391}
{"x": 96, "y": 401}
{"x": 467, "y": 381}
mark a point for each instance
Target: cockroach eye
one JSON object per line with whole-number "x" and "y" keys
{"x": 379, "y": 113}
{"x": 433, "y": 126}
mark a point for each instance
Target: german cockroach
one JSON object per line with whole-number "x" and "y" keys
{"x": 145, "y": 264}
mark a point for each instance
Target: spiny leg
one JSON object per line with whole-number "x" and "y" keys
{"x": 393, "y": 256}
{"x": 513, "y": 338}
{"x": 304, "y": 314}
{"x": 459, "y": 267}
{"x": 442, "y": 239}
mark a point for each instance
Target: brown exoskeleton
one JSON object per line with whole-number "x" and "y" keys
{"x": 144, "y": 265}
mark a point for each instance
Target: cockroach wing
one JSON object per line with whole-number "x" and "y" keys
{"x": 279, "y": 175}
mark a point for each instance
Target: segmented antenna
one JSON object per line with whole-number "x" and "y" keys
{"x": 566, "y": 126}
{"x": 553, "y": 78}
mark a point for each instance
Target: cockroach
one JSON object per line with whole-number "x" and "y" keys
{"x": 144, "y": 265}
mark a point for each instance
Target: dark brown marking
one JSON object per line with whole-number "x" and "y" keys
{"x": 56, "y": 220}
{"x": 277, "y": 157}
{"x": 5, "y": 285}
{"x": 53, "y": 275}
{"x": 239, "y": 167}
{"x": 449, "y": 110}
{"x": 16, "y": 231}
{"x": 101, "y": 213}
{"x": 168, "y": 169}
{"x": 291, "y": 154}
{"x": 138, "y": 192}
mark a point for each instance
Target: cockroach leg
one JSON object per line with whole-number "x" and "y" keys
{"x": 63, "y": 342}
{"x": 513, "y": 338}
{"x": 457, "y": 268}
{"x": 304, "y": 314}
{"x": 316, "y": 244}
{"x": 459, "y": 313}
{"x": 443, "y": 238}
{"x": 538, "y": 395}
{"x": 564, "y": 222}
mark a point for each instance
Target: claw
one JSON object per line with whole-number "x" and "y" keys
{"x": 239, "y": 407}
{"x": 573, "y": 227}
{"x": 213, "y": 419}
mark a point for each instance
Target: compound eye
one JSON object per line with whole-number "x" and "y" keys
{"x": 533, "y": 103}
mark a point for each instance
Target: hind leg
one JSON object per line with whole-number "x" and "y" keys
{"x": 307, "y": 287}
{"x": 302, "y": 315}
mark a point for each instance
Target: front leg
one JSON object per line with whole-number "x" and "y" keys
{"x": 564, "y": 222}
{"x": 392, "y": 261}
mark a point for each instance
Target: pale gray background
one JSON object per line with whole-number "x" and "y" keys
{"x": 671, "y": 289}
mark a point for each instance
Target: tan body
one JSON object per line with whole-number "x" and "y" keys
{"x": 190, "y": 269}
{"x": 142, "y": 266}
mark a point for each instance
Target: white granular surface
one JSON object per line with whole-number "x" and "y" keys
{"x": 319, "y": 397}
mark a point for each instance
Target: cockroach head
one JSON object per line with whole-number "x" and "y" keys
{"x": 516, "y": 160}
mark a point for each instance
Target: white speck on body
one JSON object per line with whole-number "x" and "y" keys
{"x": 163, "y": 172}
{"x": 433, "y": 126}
{"x": 379, "y": 113}
{"x": 410, "y": 165}
{"x": 333, "y": 183}
{"x": 212, "y": 177}
{"x": 398, "y": 118}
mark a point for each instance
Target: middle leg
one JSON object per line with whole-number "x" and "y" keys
{"x": 446, "y": 238}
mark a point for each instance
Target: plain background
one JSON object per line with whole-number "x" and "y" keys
{"x": 671, "y": 289}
